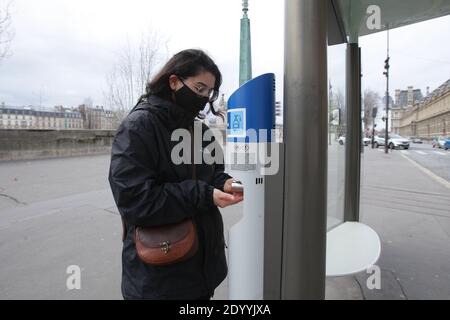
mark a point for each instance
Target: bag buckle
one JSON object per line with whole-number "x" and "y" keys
{"x": 165, "y": 246}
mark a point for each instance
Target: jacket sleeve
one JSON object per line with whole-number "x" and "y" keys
{"x": 133, "y": 179}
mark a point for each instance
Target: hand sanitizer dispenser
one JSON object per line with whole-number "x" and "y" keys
{"x": 251, "y": 118}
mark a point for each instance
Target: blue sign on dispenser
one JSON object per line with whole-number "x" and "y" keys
{"x": 237, "y": 123}
{"x": 252, "y": 106}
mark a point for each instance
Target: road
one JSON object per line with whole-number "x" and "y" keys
{"x": 53, "y": 214}
{"x": 57, "y": 213}
{"x": 435, "y": 160}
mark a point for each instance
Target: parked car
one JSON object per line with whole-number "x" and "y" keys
{"x": 415, "y": 140}
{"x": 439, "y": 142}
{"x": 395, "y": 141}
{"x": 447, "y": 143}
{"x": 366, "y": 141}
{"x": 378, "y": 141}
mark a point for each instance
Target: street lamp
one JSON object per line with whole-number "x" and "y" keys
{"x": 373, "y": 135}
{"x": 386, "y": 73}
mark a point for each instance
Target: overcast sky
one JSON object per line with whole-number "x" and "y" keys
{"x": 63, "y": 50}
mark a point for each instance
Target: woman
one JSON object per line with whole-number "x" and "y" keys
{"x": 150, "y": 190}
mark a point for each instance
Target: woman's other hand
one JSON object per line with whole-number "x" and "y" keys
{"x": 227, "y": 186}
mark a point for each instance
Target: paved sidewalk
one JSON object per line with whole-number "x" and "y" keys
{"x": 410, "y": 210}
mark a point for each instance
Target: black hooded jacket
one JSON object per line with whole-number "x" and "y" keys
{"x": 150, "y": 190}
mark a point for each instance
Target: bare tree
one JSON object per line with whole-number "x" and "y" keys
{"x": 339, "y": 104}
{"x": 371, "y": 101}
{"x": 339, "y": 99}
{"x": 6, "y": 31}
{"x": 134, "y": 68}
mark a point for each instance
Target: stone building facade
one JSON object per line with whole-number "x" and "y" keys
{"x": 430, "y": 117}
{"x": 28, "y": 118}
{"x": 57, "y": 119}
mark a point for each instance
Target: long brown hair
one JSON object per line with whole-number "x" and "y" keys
{"x": 187, "y": 63}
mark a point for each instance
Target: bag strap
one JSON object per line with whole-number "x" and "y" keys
{"x": 194, "y": 170}
{"x": 194, "y": 173}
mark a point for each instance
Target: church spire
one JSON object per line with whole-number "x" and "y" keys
{"x": 245, "y": 59}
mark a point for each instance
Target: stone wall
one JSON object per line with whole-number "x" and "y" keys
{"x": 41, "y": 144}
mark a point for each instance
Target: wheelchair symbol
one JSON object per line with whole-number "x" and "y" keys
{"x": 237, "y": 121}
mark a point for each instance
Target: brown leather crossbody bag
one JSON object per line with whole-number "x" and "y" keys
{"x": 167, "y": 244}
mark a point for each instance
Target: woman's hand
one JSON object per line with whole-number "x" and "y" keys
{"x": 223, "y": 200}
{"x": 227, "y": 198}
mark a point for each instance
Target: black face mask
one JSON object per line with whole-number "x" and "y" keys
{"x": 190, "y": 101}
